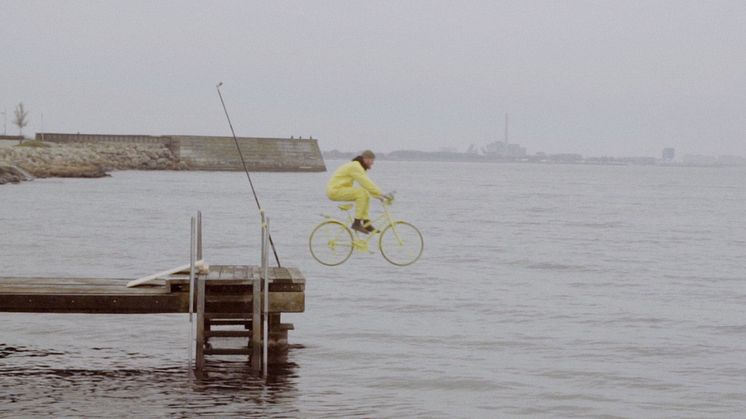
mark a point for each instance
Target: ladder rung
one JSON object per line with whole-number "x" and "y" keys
{"x": 242, "y": 316}
{"x": 228, "y": 298}
{"x": 228, "y": 351}
{"x": 229, "y": 322}
{"x": 228, "y": 333}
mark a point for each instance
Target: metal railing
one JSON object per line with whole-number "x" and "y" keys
{"x": 195, "y": 254}
{"x": 260, "y": 302}
{"x": 260, "y": 315}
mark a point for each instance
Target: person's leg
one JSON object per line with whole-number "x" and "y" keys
{"x": 361, "y": 197}
{"x": 342, "y": 194}
{"x": 362, "y": 204}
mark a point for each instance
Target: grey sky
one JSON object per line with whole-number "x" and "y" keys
{"x": 594, "y": 77}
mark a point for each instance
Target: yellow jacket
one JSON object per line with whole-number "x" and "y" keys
{"x": 349, "y": 172}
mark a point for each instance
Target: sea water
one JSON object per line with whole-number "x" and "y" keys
{"x": 543, "y": 290}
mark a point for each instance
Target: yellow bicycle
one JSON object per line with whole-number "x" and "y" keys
{"x": 332, "y": 242}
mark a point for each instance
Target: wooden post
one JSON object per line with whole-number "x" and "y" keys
{"x": 200, "y": 344}
{"x": 277, "y": 338}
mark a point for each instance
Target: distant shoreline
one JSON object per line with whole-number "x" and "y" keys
{"x": 564, "y": 158}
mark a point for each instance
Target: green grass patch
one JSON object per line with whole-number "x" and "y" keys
{"x": 33, "y": 143}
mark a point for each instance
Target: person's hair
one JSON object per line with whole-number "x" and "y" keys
{"x": 360, "y": 160}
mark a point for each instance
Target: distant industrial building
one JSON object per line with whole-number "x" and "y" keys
{"x": 668, "y": 154}
{"x": 503, "y": 149}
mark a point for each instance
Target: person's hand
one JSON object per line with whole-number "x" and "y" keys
{"x": 387, "y": 198}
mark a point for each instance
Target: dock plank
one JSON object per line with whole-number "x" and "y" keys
{"x": 76, "y": 286}
{"x": 67, "y": 280}
{"x": 245, "y": 274}
{"x": 94, "y": 303}
{"x": 214, "y": 273}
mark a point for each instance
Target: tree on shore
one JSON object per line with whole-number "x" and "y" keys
{"x": 21, "y": 118}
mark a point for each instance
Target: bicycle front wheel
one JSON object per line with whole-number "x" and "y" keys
{"x": 331, "y": 243}
{"x": 401, "y": 243}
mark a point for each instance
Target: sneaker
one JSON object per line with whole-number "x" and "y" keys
{"x": 357, "y": 225}
{"x": 369, "y": 227}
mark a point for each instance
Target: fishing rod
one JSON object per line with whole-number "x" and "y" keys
{"x": 246, "y": 169}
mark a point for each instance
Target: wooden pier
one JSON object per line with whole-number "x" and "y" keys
{"x": 229, "y": 301}
{"x": 164, "y": 295}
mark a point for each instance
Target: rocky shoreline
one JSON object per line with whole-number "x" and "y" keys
{"x": 35, "y": 159}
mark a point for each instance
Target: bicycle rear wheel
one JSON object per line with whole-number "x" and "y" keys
{"x": 331, "y": 243}
{"x": 401, "y": 243}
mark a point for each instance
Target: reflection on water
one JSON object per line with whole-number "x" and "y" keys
{"x": 226, "y": 387}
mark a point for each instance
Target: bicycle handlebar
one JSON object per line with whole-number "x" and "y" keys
{"x": 387, "y": 198}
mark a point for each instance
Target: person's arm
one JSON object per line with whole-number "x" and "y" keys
{"x": 358, "y": 173}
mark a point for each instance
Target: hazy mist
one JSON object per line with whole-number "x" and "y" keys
{"x": 591, "y": 77}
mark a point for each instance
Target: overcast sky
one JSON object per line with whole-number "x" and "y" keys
{"x": 592, "y": 77}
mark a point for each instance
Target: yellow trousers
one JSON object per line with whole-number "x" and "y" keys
{"x": 360, "y": 196}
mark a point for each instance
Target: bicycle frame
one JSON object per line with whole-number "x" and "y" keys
{"x": 361, "y": 244}
{"x": 400, "y": 242}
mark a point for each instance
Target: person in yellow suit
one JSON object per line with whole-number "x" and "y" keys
{"x": 341, "y": 188}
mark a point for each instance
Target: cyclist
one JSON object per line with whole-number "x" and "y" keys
{"x": 340, "y": 188}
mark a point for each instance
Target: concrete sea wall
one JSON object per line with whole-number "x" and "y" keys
{"x": 260, "y": 154}
{"x": 219, "y": 153}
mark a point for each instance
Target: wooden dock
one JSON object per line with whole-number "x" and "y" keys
{"x": 248, "y": 300}
{"x": 224, "y": 301}
{"x": 164, "y": 295}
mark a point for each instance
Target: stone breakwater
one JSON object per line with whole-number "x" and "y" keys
{"x": 82, "y": 160}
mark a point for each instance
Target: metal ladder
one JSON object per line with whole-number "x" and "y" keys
{"x": 224, "y": 305}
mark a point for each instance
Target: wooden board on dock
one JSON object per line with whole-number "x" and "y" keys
{"x": 199, "y": 267}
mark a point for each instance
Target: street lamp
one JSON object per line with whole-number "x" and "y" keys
{"x": 5, "y": 123}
